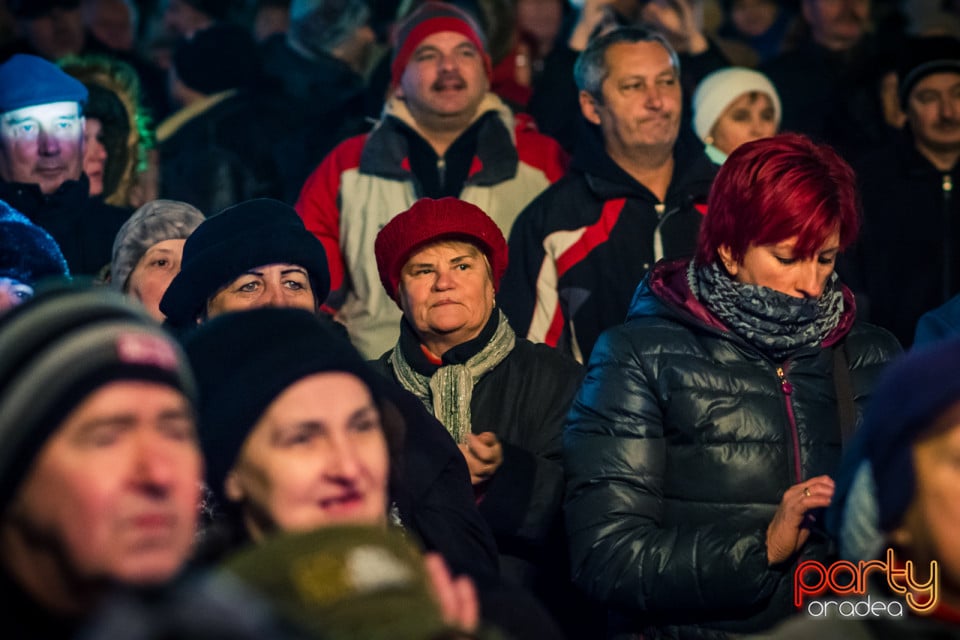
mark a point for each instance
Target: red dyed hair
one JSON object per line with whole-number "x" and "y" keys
{"x": 776, "y": 188}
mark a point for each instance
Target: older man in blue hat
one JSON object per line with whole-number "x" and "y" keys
{"x": 41, "y": 161}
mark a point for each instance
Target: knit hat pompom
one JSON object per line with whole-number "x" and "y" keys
{"x": 922, "y": 57}
{"x": 152, "y": 223}
{"x": 429, "y": 18}
{"x": 716, "y": 91}
{"x": 876, "y": 481}
{"x": 27, "y": 252}
{"x": 429, "y": 221}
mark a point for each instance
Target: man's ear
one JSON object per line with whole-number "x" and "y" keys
{"x": 588, "y": 106}
{"x": 233, "y": 488}
{"x": 726, "y": 257}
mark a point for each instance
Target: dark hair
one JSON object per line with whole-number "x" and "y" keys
{"x": 591, "y": 67}
{"x": 772, "y": 189}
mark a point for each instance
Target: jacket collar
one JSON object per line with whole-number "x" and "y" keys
{"x": 693, "y": 171}
{"x": 667, "y": 285}
{"x": 30, "y": 201}
{"x": 386, "y": 151}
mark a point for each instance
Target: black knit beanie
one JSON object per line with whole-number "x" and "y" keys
{"x": 251, "y": 234}
{"x": 27, "y": 252}
{"x": 59, "y": 347}
{"x": 246, "y": 359}
{"x": 921, "y": 57}
{"x": 218, "y": 58}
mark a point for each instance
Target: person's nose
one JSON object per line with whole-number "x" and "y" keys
{"x": 343, "y": 463}
{"x": 950, "y": 108}
{"x": 155, "y": 470}
{"x": 809, "y": 280}
{"x": 444, "y": 280}
{"x": 272, "y": 296}
{"x": 654, "y": 97}
{"x": 49, "y": 144}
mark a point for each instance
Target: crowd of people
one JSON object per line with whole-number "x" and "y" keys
{"x": 497, "y": 319}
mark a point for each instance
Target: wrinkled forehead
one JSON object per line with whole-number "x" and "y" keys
{"x": 42, "y": 112}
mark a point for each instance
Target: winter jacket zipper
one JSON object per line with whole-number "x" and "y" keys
{"x": 948, "y": 238}
{"x": 787, "y": 389}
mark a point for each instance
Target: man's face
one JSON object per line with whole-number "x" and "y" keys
{"x": 641, "y": 102}
{"x": 933, "y": 111}
{"x": 837, "y": 24}
{"x": 445, "y": 80}
{"x": 114, "y": 492}
{"x": 42, "y": 145}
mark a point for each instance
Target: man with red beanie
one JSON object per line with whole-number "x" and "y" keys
{"x": 443, "y": 133}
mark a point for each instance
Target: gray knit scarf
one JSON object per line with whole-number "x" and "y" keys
{"x": 447, "y": 393}
{"x": 775, "y": 322}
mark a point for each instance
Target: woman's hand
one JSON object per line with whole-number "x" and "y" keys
{"x": 591, "y": 15}
{"x": 484, "y": 455}
{"x": 786, "y": 533}
{"x": 457, "y": 597}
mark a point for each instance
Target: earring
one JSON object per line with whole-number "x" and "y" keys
{"x": 708, "y": 140}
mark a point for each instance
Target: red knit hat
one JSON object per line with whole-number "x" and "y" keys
{"x": 429, "y": 221}
{"x": 429, "y": 18}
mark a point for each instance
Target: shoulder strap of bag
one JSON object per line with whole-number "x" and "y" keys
{"x": 845, "y": 405}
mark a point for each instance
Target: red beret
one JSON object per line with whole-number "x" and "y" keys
{"x": 428, "y": 19}
{"x": 429, "y": 221}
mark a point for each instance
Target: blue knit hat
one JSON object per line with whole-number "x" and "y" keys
{"x": 27, "y": 252}
{"x": 876, "y": 482}
{"x": 27, "y": 80}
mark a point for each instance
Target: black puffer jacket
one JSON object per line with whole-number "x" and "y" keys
{"x": 677, "y": 451}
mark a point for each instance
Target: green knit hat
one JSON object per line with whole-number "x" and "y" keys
{"x": 346, "y": 583}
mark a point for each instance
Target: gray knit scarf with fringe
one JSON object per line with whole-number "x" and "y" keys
{"x": 447, "y": 393}
{"x": 775, "y": 322}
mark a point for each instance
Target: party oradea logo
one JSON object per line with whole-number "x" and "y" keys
{"x": 840, "y": 589}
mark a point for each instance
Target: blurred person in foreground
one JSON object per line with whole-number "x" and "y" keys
{"x": 703, "y": 440}
{"x": 100, "y": 468}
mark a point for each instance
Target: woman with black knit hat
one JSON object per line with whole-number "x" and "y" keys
{"x": 297, "y": 432}
{"x": 253, "y": 254}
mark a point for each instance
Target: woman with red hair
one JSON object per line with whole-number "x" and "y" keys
{"x": 700, "y": 448}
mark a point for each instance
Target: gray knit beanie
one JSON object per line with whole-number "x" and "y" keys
{"x": 152, "y": 223}
{"x": 58, "y": 348}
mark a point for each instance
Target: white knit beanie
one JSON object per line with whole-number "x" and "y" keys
{"x": 716, "y": 91}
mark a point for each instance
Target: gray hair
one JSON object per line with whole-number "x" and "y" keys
{"x": 591, "y": 69}
{"x": 320, "y": 26}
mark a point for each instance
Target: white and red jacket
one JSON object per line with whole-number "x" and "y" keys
{"x": 366, "y": 180}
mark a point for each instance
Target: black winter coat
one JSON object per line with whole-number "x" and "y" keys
{"x": 910, "y": 212}
{"x": 523, "y": 400}
{"x": 83, "y": 227}
{"x": 677, "y": 452}
{"x": 579, "y": 250}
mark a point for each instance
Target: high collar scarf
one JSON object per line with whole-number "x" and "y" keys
{"x": 448, "y": 391}
{"x": 774, "y": 322}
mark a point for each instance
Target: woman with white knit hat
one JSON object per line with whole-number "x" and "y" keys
{"x": 732, "y": 106}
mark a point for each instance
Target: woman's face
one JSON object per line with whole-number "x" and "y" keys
{"x": 749, "y": 117}
{"x": 316, "y": 457}
{"x": 446, "y": 292}
{"x": 13, "y": 293}
{"x": 777, "y": 267}
{"x": 94, "y": 155}
{"x": 153, "y": 274}
{"x": 271, "y": 285}
{"x": 929, "y": 531}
